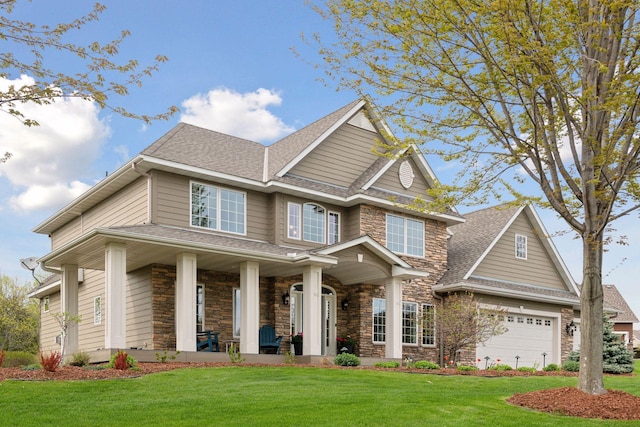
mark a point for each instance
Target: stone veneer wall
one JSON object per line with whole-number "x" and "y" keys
{"x": 566, "y": 341}
{"x": 373, "y": 222}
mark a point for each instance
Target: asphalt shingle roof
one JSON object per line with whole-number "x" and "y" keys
{"x": 615, "y": 300}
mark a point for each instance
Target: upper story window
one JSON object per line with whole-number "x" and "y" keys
{"x": 521, "y": 246}
{"x": 218, "y": 208}
{"x": 317, "y": 224}
{"x": 405, "y": 236}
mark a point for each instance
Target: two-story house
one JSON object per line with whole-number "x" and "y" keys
{"x": 205, "y": 231}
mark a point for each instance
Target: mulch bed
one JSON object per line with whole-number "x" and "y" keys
{"x": 570, "y": 401}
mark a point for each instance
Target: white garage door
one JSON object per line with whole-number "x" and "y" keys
{"x": 528, "y": 336}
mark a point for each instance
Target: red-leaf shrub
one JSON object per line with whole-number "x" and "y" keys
{"x": 1, "y": 358}
{"x": 51, "y": 362}
{"x": 121, "y": 361}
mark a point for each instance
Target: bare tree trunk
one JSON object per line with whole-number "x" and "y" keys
{"x": 590, "y": 379}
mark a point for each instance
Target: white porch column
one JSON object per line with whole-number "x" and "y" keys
{"x": 186, "y": 277}
{"x": 69, "y": 303}
{"x": 393, "y": 291}
{"x": 249, "y": 307}
{"x": 115, "y": 276}
{"x": 312, "y": 315}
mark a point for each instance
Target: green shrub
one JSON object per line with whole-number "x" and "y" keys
{"x": 16, "y": 359}
{"x": 425, "y": 364}
{"x": 526, "y": 369}
{"x": 32, "y": 367}
{"x": 122, "y": 361}
{"x": 390, "y": 364}
{"x": 571, "y": 366}
{"x": 500, "y": 368}
{"x": 466, "y": 368}
{"x": 80, "y": 359}
{"x": 346, "y": 359}
{"x": 609, "y": 368}
{"x": 551, "y": 367}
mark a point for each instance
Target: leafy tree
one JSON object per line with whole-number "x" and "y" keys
{"x": 19, "y": 317}
{"x": 102, "y": 78}
{"x": 65, "y": 322}
{"x": 461, "y": 323}
{"x": 542, "y": 92}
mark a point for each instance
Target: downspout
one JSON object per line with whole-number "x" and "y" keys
{"x": 440, "y": 331}
{"x": 134, "y": 167}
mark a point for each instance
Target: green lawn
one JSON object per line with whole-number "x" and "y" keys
{"x": 299, "y": 396}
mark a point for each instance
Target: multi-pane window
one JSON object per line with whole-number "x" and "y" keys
{"x": 317, "y": 224}
{"x": 428, "y": 325}
{"x": 521, "y": 246}
{"x": 313, "y": 220}
{"x": 236, "y": 312}
{"x": 405, "y": 236}
{"x": 199, "y": 308}
{"x": 218, "y": 208}
{"x": 409, "y": 323}
{"x": 97, "y": 310}
{"x": 294, "y": 217}
{"x": 379, "y": 319}
{"x": 333, "y": 233}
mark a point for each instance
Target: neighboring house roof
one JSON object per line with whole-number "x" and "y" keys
{"x": 472, "y": 241}
{"x": 614, "y": 299}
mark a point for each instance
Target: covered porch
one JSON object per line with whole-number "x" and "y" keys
{"x": 263, "y": 273}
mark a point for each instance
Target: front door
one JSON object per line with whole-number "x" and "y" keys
{"x": 328, "y": 313}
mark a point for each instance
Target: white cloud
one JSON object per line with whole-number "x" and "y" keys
{"x": 241, "y": 115}
{"x": 47, "y": 160}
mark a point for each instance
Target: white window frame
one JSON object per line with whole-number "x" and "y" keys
{"x": 428, "y": 325}
{"x": 379, "y": 304}
{"x": 296, "y": 229}
{"x": 409, "y": 323}
{"x": 333, "y": 238}
{"x": 218, "y": 208}
{"x": 405, "y": 237}
{"x": 46, "y": 304}
{"x": 200, "y": 305}
{"x": 521, "y": 246}
{"x": 294, "y": 224}
{"x": 237, "y": 306}
{"x": 306, "y": 229}
{"x": 97, "y": 310}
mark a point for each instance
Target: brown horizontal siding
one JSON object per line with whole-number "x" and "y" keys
{"x": 341, "y": 158}
{"x": 502, "y": 264}
{"x": 390, "y": 181}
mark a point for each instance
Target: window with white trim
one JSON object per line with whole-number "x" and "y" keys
{"x": 318, "y": 225}
{"x": 521, "y": 246}
{"x": 218, "y": 208}
{"x": 405, "y": 235}
{"x": 409, "y": 323}
{"x": 428, "y": 325}
{"x": 199, "y": 308}
{"x": 236, "y": 312}
{"x": 294, "y": 217}
{"x": 97, "y": 310}
{"x": 45, "y": 304}
{"x": 379, "y": 320}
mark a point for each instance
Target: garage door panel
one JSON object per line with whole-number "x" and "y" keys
{"x": 526, "y": 336}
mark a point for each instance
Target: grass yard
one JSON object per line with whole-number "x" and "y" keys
{"x": 298, "y": 396}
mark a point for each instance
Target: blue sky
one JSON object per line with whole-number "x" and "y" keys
{"x": 232, "y": 69}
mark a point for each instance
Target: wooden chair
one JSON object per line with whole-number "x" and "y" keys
{"x": 268, "y": 338}
{"x": 206, "y": 340}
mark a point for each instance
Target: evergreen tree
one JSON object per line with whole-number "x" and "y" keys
{"x": 616, "y": 357}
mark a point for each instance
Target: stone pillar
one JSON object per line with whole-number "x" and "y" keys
{"x": 393, "y": 345}
{"x": 312, "y": 315}
{"x": 115, "y": 274}
{"x": 249, "y": 307}
{"x": 186, "y": 276}
{"x": 69, "y": 304}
